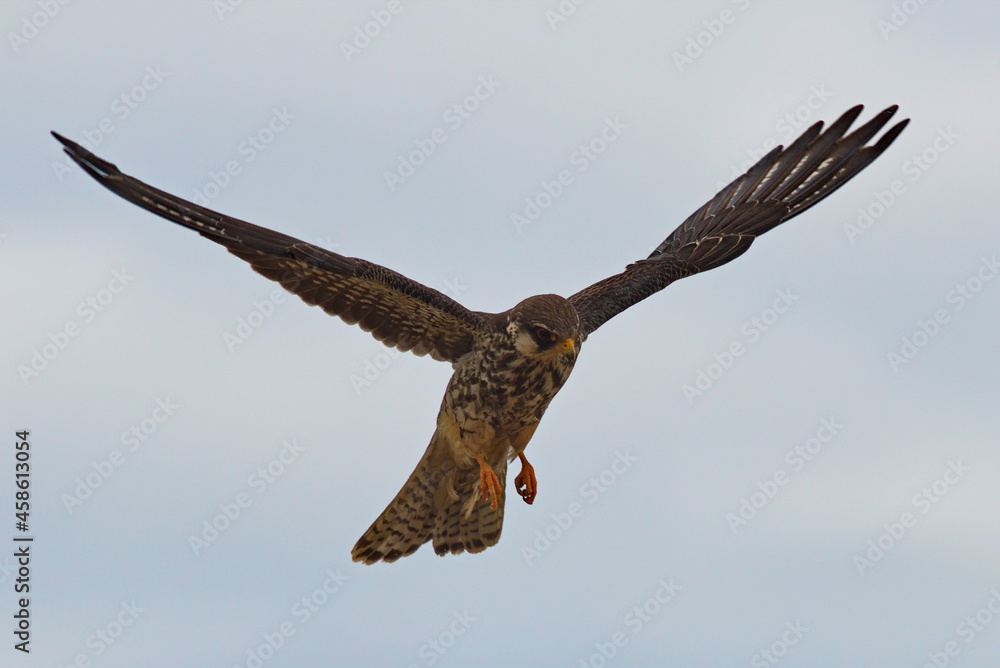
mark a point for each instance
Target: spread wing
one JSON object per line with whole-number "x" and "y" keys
{"x": 783, "y": 184}
{"x": 397, "y": 311}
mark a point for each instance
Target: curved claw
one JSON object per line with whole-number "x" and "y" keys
{"x": 489, "y": 483}
{"x": 526, "y": 483}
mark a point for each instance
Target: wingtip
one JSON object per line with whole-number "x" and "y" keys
{"x": 93, "y": 165}
{"x": 879, "y": 119}
{"x": 68, "y": 144}
{"x": 888, "y": 112}
{"x": 890, "y": 135}
{"x": 853, "y": 113}
{"x": 815, "y": 129}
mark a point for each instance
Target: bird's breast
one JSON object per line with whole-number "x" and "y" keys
{"x": 500, "y": 392}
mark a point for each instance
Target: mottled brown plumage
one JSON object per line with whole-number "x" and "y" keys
{"x": 508, "y": 366}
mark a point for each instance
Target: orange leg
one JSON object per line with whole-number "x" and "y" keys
{"x": 525, "y": 483}
{"x": 489, "y": 483}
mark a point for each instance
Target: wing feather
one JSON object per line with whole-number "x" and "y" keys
{"x": 783, "y": 184}
{"x": 398, "y": 311}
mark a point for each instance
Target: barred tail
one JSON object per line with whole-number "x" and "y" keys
{"x": 439, "y": 502}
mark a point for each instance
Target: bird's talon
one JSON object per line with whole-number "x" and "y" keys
{"x": 526, "y": 483}
{"x": 489, "y": 483}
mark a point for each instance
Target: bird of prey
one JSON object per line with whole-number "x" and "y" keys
{"x": 508, "y": 366}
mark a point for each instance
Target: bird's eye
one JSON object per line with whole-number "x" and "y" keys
{"x": 543, "y": 334}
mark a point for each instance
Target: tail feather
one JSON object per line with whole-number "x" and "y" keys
{"x": 471, "y": 525}
{"x": 439, "y": 502}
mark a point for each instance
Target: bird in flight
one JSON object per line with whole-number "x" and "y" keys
{"x": 507, "y": 366}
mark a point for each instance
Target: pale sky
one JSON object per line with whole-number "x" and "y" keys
{"x": 827, "y": 497}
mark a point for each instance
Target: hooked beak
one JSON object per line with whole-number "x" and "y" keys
{"x": 568, "y": 346}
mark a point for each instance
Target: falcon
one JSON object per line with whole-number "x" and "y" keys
{"x": 508, "y": 366}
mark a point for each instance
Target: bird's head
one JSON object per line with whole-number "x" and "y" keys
{"x": 545, "y": 327}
